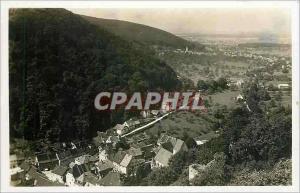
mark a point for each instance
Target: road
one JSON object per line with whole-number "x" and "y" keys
{"x": 147, "y": 125}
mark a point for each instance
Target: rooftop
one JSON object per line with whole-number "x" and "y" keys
{"x": 163, "y": 156}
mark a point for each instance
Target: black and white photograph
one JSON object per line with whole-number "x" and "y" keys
{"x": 150, "y": 96}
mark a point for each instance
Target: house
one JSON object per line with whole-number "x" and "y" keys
{"x": 179, "y": 146}
{"x": 166, "y": 138}
{"x": 103, "y": 168}
{"x": 73, "y": 174}
{"x": 39, "y": 179}
{"x": 113, "y": 140}
{"x": 135, "y": 152}
{"x": 131, "y": 123}
{"x": 70, "y": 179}
{"x": 236, "y": 82}
{"x": 283, "y": 86}
{"x": 111, "y": 179}
{"x": 172, "y": 144}
{"x": 42, "y": 180}
{"x": 16, "y": 174}
{"x": 90, "y": 179}
{"x": 32, "y": 172}
{"x": 120, "y": 129}
{"x": 100, "y": 138}
{"x": 155, "y": 113}
{"x": 46, "y": 161}
{"x": 166, "y": 107}
{"x": 81, "y": 144}
{"x": 145, "y": 113}
{"x": 84, "y": 159}
{"x": 25, "y": 166}
{"x": 200, "y": 140}
{"x": 102, "y": 154}
{"x": 168, "y": 146}
{"x": 58, "y": 174}
{"x": 121, "y": 161}
{"x": 78, "y": 170}
{"x": 94, "y": 158}
{"x": 16, "y": 160}
{"x": 137, "y": 165}
{"x": 64, "y": 157}
{"x": 76, "y": 152}
{"x": 239, "y": 97}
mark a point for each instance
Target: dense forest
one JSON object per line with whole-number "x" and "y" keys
{"x": 58, "y": 62}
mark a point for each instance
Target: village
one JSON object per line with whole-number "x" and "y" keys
{"x": 121, "y": 151}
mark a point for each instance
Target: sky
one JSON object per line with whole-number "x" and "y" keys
{"x": 203, "y": 20}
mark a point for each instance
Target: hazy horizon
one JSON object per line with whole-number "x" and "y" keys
{"x": 203, "y": 21}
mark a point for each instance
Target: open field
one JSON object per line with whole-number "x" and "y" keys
{"x": 183, "y": 121}
{"x": 224, "y": 98}
{"x": 286, "y": 97}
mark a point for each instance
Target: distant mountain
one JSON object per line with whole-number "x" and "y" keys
{"x": 257, "y": 45}
{"x": 141, "y": 33}
{"x": 59, "y": 62}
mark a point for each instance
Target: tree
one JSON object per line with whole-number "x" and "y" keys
{"x": 222, "y": 83}
{"x": 202, "y": 85}
{"x": 279, "y": 175}
{"x": 214, "y": 174}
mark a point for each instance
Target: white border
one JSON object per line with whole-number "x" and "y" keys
{"x": 5, "y": 5}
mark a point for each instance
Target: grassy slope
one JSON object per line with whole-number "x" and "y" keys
{"x": 180, "y": 122}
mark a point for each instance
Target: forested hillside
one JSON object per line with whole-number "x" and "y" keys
{"x": 141, "y": 33}
{"x": 58, "y": 62}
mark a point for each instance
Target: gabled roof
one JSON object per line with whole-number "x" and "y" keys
{"x": 94, "y": 158}
{"x": 60, "y": 170}
{"x": 155, "y": 112}
{"x": 91, "y": 178}
{"x": 163, "y": 156}
{"x": 168, "y": 146}
{"x": 132, "y": 122}
{"x": 98, "y": 140}
{"x": 64, "y": 155}
{"x": 126, "y": 160}
{"x": 83, "y": 159}
{"x": 117, "y": 157}
{"x": 165, "y": 138}
{"x": 118, "y": 127}
{"x": 15, "y": 157}
{"x": 78, "y": 170}
{"x": 49, "y": 165}
{"x": 42, "y": 180}
{"x": 25, "y": 166}
{"x": 207, "y": 136}
{"x": 135, "y": 151}
{"x": 111, "y": 179}
{"x": 66, "y": 162}
{"x": 32, "y": 172}
{"x": 178, "y": 146}
{"x": 46, "y": 157}
{"x": 105, "y": 165}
